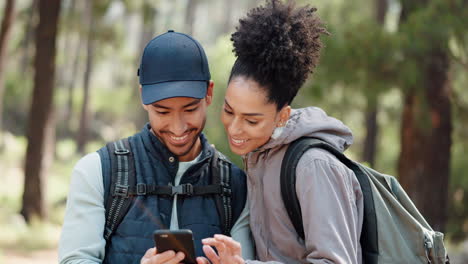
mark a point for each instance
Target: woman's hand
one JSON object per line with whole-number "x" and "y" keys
{"x": 169, "y": 257}
{"x": 229, "y": 250}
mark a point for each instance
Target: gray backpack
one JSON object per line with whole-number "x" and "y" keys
{"x": 393, "y": 229}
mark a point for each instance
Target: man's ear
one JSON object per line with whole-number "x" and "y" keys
{"x": 144, "y": 106}
{"x": 209, "y": 92}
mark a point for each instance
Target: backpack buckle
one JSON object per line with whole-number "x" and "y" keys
{"x": 225, "y": 190}
{"x": 121, "y": 151}
{"x": 121, "y": 190}
{"x": 183, "y": 189}
{"x": 188, "y": 189}
{"x": 141, "y": 189}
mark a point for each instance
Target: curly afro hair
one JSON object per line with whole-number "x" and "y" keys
{"x": 278, "y": 46}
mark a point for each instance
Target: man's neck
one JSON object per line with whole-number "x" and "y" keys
{"x": 193, "y": 153}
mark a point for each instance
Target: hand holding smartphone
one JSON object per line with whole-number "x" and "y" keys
{"x": 176, "y": 240}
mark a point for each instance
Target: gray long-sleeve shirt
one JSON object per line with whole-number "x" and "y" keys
{"x": 329, "y": 194}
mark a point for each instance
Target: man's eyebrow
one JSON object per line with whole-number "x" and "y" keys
{"x": 245, "y": 114}
{"x": 160, "y": 106}
{"x": 194, "y": 102}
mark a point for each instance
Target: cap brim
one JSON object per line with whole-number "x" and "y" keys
{"x": 152, "y": 93}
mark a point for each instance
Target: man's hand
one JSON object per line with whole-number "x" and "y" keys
{"x": 169, "y": 257}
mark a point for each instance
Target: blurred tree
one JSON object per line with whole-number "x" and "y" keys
{"x": 190, "y": 12}
{"x": 228, "y": 9}
{"x": 370, "y": 141}
{"x": 84, "y": 116}
{"x": 148, "y": 15}
{"x": 426, "y": 125}
{"x": 70, "y": 86}
{"x": 40, "y": 117}
{"x": 416, "y": 59}
{"x": 149, "y": 12}
{"x": 8, "y": 14}
{"x": 69, "y": 72}
{"x": 31, "y": 17}
{"x": 97, "y": 32}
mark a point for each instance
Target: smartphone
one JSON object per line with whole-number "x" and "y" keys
{"x": 176, "y": 240}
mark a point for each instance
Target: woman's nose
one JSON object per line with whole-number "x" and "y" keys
{"x": 235, "y": 128}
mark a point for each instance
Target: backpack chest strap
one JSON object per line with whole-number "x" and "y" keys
{"x": 187, "y": 189}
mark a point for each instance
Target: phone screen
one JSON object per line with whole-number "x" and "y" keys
{"x": 176, "y": 240}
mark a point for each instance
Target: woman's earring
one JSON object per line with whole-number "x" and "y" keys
{"x": 278, "y": 131}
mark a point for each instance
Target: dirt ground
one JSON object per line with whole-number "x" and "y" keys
{"x": 36, "y": 257}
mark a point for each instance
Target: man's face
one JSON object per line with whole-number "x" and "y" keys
{"x": 178, "y": 122}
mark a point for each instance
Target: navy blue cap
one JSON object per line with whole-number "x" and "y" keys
{"x": 173, "y": 65}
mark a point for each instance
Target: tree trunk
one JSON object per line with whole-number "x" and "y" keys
{"x": 149, "y": 13}
{"x": 190, "y": 15}
{"x": 66, "y": 69}
{"x": 71, "y": 87}
{"x": 25, "y": 43}
{"x": 84, "y": 119}
{"x": 424, "y": 165}
{"x": 370, "y": 142}
{"x": 4, "y": 38}
{"x": 228, "y": 8}
{"x": 40, "y": 116}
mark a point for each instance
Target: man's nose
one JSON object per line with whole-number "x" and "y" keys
{"x": 178, "y": 125}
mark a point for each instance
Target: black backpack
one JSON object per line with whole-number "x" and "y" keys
{"x": 123, "y": 187}
{"x": 393, "y": 230}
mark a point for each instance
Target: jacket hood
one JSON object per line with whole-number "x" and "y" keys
{"x": 313, "y": 122}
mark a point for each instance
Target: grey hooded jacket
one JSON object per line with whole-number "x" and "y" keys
{"x": 329, "y": 194}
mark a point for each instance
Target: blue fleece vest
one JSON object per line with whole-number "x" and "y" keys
{"x": 155, "y": 164}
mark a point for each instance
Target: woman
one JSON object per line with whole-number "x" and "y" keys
{"x": 277, "y": 46}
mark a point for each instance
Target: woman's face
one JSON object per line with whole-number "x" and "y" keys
{"x": 248, "y": 118}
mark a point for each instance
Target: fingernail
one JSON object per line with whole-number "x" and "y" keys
{"x": 180, "y": 255}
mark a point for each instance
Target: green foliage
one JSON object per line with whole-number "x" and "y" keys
{"x": 16, "y": 234}
{"x": 458, "y": 194}
{"x": 458, "y": 191}
{"x": 16, "y": 101}
{"x": 367, "y": 61}
{"x": 221, "y": 59}
{"x": 361, "y": 62}
{"x": 363, "y": 59}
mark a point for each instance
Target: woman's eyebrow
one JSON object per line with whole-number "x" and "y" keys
{"x": 245, "y": 114}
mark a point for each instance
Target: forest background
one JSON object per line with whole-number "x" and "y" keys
{"x": 395, "y": 71}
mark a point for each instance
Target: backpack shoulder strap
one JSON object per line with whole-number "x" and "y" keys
{"x": 123, "y": 178}
{"x": 288, "y": 182}
{"x": 369, "y": 240}
{"x": 221, "y": 175}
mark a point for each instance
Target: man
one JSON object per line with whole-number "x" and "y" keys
{"x": 170, "y": 152}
